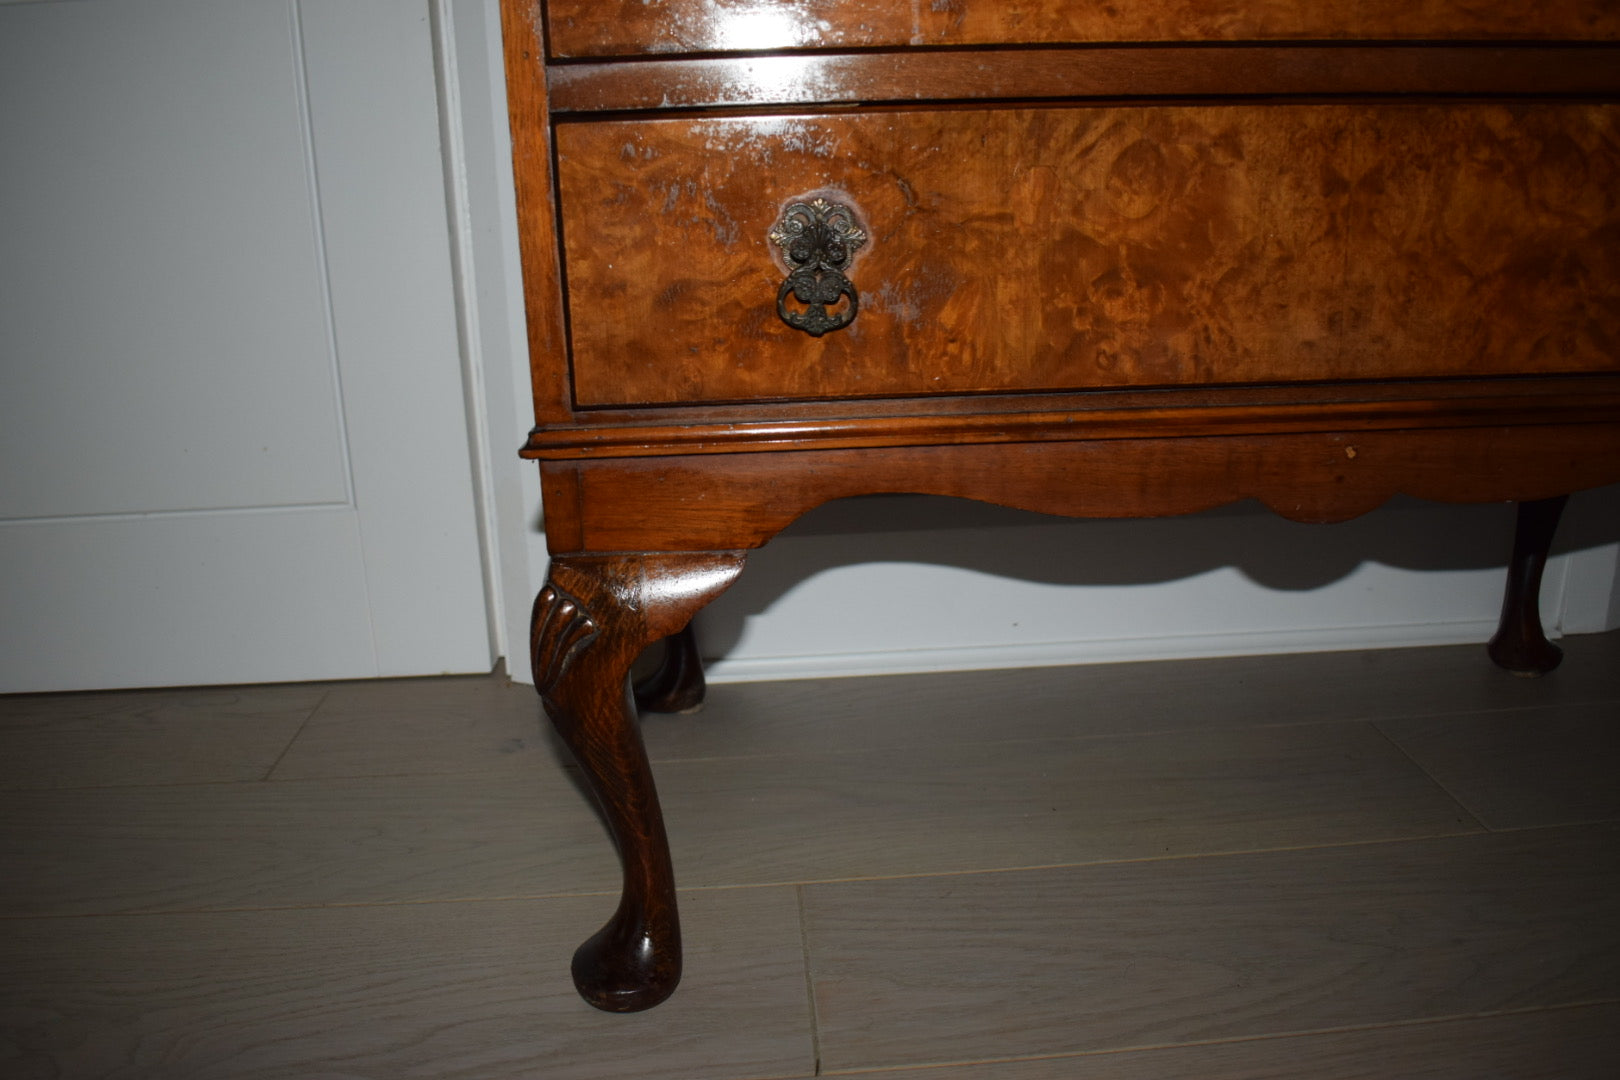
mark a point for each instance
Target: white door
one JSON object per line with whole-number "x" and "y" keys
{"x": 233, "y": 443}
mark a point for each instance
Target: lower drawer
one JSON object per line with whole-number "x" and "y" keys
{"x": 1079, "y": 247}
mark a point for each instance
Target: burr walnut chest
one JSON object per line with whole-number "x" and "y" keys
{"x": 1100, "y": 260}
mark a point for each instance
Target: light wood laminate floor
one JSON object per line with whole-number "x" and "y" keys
{"x": 1379, "y": 864}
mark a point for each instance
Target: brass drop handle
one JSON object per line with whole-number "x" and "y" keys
{"x": 818, "y": 239}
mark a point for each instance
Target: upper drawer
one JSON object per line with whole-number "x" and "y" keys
{"x": 1064, "y": 248}
{"x": 630, "y": 27}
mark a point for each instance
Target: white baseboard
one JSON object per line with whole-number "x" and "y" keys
{"x": 1102, "y": 651}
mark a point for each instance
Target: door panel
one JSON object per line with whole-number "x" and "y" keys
{"x": 167, "y": 220}
{"x": 233, "y": 428}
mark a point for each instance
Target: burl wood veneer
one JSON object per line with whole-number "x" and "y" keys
{"x": 1099, "y": 260}
{"x": 1178, "y": 246}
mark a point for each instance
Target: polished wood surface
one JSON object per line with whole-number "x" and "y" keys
{"x": 1177, "y": 71}
{"x": 742, "y": 500}
{"x": 1520, "y": 645}
{"x": 1007, "y": 418}
{"x": 629, "y": 27}
{"x": 1117, "y": 260}
{"x": 1040, "y": 249}
{"x": 529, "y": 120}
{"x": 590, "y": 622}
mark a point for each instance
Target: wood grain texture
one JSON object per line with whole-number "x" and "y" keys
{"x": 625, "y": 27}
{"x": 314, "y": 843}
{"x": 473, "y": 986}
{"x": 830, "y": 815}
{"x": 470, "y": 991}
{"x": 403, "y": 727}
{"x": 699, "y": 503}
{"x": 1060, "y": 248}
{"x": 1042, "y": 249}
{"x": 1146, "y": 954}
{"x": 529, "y": 118}
{"x": 758, "y": 815}
{"x": 1489, "y": 237}
{"x": 1592, "y": 399}
{"x": 591, "y": 620}
{"x": 149, "y": 736}
{"x": 1579, "y": 1042}
{"x": 883, "y": 713}
{"x": 1524, "y": 768}
{"x": 729, "y": 82}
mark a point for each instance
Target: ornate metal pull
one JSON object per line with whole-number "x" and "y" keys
{"x": 818, "y": 239}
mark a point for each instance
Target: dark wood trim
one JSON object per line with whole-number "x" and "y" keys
{"x": 1173, "y": 71}
{"x": 528, "y": 112}
{"x": 1511, "y": 404}
{"x": 1582, "y": 385}
{"x": 590, "y": 621}
{"x": 677, "y": 685}
{"x": 631, "y": 28}
{"x": 1520, "y": 645}
{"x": 704, "y": 502}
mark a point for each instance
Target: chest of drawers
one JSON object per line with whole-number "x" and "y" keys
{"x": 1096, "y": 260}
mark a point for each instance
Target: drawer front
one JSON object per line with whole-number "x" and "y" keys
{"x": 1074, "y": 248}
{"x": 631, "y": 27}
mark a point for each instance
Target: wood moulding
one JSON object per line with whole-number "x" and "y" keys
{"x": 635, "y": 27}
{"x": 1045, "y": 418}
{"x": 529, "y": 116}
{"x": 704, "y": 502}
{"x": 1067, "y": 74}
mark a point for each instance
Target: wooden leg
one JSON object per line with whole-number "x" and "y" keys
{"x": 677, "y": 686}
{"x": 1520, "y": 646}
{"x": 595, "y": 614}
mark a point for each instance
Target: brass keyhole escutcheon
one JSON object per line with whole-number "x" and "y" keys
{"x": 818, "y": 239}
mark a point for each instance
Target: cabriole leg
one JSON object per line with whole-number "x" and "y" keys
{"x": 595, "y": 614}
{"x": 1520, "y": 646}
{"x": 677, "y": 686}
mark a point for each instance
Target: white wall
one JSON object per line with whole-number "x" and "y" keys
{"x": 926, "y": 584}
{"x": 894, "y": 584}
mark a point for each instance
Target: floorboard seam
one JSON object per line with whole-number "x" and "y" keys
{"x": 809, "y": 979}
{"x": 285, "y": 750}
{"x": 1401, "y": 750}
